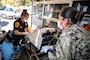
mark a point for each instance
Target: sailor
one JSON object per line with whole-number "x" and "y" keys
{"x": 74, "y": 42}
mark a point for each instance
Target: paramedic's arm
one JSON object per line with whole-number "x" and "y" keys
{"x": 16, "y": 32}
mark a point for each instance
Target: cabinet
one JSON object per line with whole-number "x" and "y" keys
{"x": 45, "y": 13}
{"x": 83, "y": 6}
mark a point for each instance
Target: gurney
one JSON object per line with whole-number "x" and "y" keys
{"x": 36, "y": 37}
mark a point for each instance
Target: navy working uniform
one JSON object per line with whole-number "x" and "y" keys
{"x": 73, "y": 44}
{"x": 20, "y": 26}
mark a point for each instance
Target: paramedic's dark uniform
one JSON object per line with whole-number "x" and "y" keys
{"x": 18, "y": 25}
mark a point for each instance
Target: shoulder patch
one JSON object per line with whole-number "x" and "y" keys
{"x": 17, "y": 24}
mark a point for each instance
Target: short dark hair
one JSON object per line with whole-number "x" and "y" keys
{"x": 72, "y": 13}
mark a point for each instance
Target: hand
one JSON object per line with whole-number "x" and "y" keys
{"x": 46, "y": 48}
{"x": 31, "y": 31}
{"x": 25, "y": 33}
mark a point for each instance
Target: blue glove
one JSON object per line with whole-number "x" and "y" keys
{"x": 44, "y": 49}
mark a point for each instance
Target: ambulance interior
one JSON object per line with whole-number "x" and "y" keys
{"x": 46, "y": 14}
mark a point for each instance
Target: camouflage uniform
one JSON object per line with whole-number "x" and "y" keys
{"x": 74, "y": 44}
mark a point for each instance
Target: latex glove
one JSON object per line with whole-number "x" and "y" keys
{"x": 25, "y": 33}
{"x": 31, "y": 31}
{"x": 46, "y": 48}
